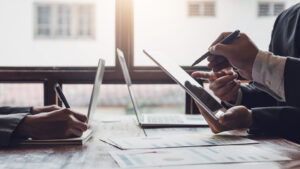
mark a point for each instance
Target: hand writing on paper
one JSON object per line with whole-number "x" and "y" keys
{"x": 61, "y": 123}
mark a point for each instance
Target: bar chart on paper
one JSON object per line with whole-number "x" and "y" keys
{"x": 193, "y": 156}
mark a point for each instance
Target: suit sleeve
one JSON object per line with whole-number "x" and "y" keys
{"x": 10, "y": 118}
{"x": 253, "y": 97}
{"x": 292, "y": 81}
{"x": 277, "y": 121}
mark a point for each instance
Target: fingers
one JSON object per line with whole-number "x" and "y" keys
{"x": 226, "y": 117}
{"x": 221, "y": 50}
{"x": 74, "y": 132}
{"x": 211, "y": 76}
{"x": 217, "y": 63}
{"x": 222, "y": 81}
{"x": 75, "y": 123}
{"x": 228, "y": 92}
{"x": 80, "y": 116}
{"x": 236, "y": 118}
{"x": 213, "y": 124}
{"x": 204, "y": 75}
{"x": 221, "y": 37}
{"x": 231, "y": 95}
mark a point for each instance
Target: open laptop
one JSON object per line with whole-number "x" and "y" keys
{"x": 162, "y": 120}
{"x": 92, "y": 107}
{"x": 189, "y": 84}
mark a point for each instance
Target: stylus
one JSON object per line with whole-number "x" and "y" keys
{"x": 61, "y": 96}
{"x": 228, "y": 40}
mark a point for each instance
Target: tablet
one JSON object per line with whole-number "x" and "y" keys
{"x": 189, "y": 84}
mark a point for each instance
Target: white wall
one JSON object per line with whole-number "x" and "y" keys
{"x": 19, "y": 48}
{"x": 162, "y": 24}
{"x": 186, "y": 38}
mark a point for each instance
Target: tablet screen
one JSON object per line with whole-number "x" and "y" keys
{"x": 191, "y": 86}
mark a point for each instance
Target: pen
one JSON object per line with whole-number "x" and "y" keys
{"x": 61, "y": 96}
{"x": 228, "y": 40}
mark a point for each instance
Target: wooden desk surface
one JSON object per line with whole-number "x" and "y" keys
{"x": 94, "y": 154}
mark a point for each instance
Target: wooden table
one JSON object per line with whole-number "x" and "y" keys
{"x": 94, "y": 154}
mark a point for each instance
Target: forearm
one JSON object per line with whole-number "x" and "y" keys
{"x": 249, "y": 96}
{"x": 15, "y": 110}
{"x": 277, "y": 121}
{"x": 292, "y": 81}
{"x": 253, "y": 97}
{"x": 8, "y": 126}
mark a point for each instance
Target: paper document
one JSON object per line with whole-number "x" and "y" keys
{"x": 177, "y": 141}
{"x": 77, "y": 140}
{"x": 177, "y": 131}
{"x": 194, "y": 155}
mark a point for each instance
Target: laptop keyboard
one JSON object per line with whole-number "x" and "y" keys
{"x": 164, "y": 120}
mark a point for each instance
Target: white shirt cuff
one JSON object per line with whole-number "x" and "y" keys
{"x": 268, "y": 74}
{"x": 238, "y": 99}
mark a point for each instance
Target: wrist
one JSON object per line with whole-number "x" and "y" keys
{"x": 233, "y": 99}
{"x": 249, "y": 118}
{"x": 24, "y": 127}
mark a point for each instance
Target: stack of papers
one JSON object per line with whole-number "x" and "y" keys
{"x": 177, "y": 141}
{"x": 193, "y": 156}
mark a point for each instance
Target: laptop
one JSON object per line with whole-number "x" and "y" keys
{"x": 162, "y": 120}
{"x": 92, "y": 107}
{"x": 189, "y": 84}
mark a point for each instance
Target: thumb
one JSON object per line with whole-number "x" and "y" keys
{"x": 224, "y": 118}
{"x": 221, "y": 50}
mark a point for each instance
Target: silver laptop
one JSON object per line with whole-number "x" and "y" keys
{"x": 96, "y": 89}
{"x": 162, "y": 120}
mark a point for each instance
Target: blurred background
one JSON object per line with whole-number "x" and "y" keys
{"x": 75, "y": 33}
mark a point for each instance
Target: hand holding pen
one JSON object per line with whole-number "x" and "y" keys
{"x": 222, "y": 39}
{"x": 240, "y": 54}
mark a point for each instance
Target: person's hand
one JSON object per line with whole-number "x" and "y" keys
{"x": 237, "y": 117}
{"x": 36, "y": 110}
{"x": 224, "y": 84}
{"x": 240, "y": 54}
{"x": 63, "y": 123}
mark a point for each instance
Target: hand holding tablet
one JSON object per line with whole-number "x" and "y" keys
{"x": 190, "y": 85}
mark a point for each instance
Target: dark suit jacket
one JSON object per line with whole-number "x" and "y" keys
{"x": 10, "y": 118}
{"x": 270, "y": 116}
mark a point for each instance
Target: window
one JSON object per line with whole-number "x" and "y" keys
{"x": 201, "y": 8}
{"x": 21, "y": 94}
{"x": 43, "y": 20}
{"x": 85, "y": 21}
{"x": 270, "y": 8}
{"x": 65, "y": 21}
{"x": 114, "y": 99}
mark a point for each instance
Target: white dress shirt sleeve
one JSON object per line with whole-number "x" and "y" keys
{"x": 268, "y": 74}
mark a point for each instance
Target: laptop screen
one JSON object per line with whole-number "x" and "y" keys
{"x": 129, "y": 85}
{"x": 96, "y": 88}
{"x": 191, "y": 86}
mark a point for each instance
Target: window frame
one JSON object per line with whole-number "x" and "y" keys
{"x": 52, "y": 76}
